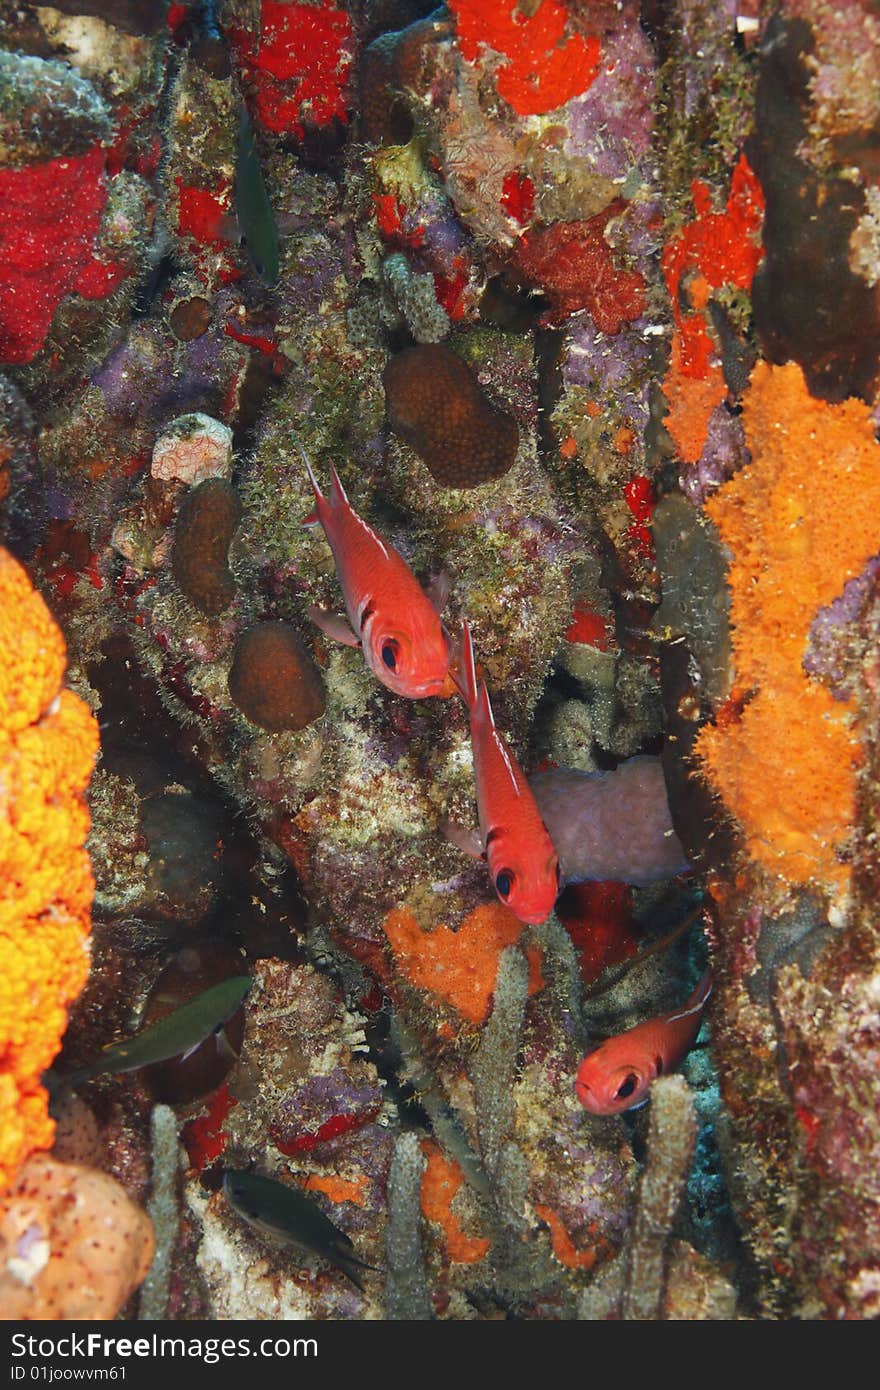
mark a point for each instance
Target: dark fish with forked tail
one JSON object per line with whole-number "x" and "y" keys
{"x": 284, "y": 1212}
{"x": 256, "y": 218}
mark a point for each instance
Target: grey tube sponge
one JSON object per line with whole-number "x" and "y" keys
{"x": 406, "y": 1284}
{"x": 672, "y": 1133}
{"x": 494, "y": 1067}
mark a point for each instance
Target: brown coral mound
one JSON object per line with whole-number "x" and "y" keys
{"x": 273, "y": 679}
{"x": 72, "y": 1243}
{"x": 383, "y": 114}
{"x": 205, "y": 526}
{"x": 800, "y": 521}
{"x": 434, "y": 402}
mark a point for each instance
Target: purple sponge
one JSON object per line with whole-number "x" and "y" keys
{"x": 610, "y": 825}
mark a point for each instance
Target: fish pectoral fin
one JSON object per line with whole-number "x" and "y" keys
{"x": 468, "y": 841}
{"x": 225, "y": 1048}
{"x": 334, "y": 625}
{"x": 437, "y": 591}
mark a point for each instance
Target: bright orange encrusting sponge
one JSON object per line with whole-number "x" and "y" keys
{"x": 801, "y": 520}
{"x": 459, "y": 966}
{"x": 48, "y": 743}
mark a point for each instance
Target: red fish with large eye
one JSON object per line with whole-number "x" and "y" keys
{"x": 520, "y": 853}
{"x": 618, "y": 1074}
{"x": 390, "y": 616}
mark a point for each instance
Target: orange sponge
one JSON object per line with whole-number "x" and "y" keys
{"x": 48, "y": 742}
{"x": 459, "y": 966}
{"x": 800, "y": 521}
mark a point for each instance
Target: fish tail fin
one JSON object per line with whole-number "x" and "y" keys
{"x": 353, "y": 1268}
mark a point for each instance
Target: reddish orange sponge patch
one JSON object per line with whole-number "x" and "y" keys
{"x": 204, "y": 1137}
{"x": 563, "y": 1246}
{"x": 691, "y": 401}
{"x": 339, "y": 1189}
{"x": 801, "y": 520}
{"x": 574, "y": 266}
{"x": 518, "y": 196}
{"x": 717, "y": 249}
{"x": 459, "y": 966}
{"x": 544, "y": 68}
{"x": 639, "y": 497}
{"x": 50, "y": 222}
{"x": 203, "y": 215}
{"x": 441, "y": 1181}
{"x": 299, "y": 65}
{"x": 48, "y": 743}
{"x": 589, "y": 628}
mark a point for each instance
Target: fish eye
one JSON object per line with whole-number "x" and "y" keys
{"x": 389, "y": 655}
{"x": 504, "y": 883}
{"x": 626, "y": 1087}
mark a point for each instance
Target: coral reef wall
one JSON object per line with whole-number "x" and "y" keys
{"x": 581, "y": 302}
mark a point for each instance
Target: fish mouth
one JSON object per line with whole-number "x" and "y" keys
{"x": 425, "y": 689}
{"x": 534, "y": 916}
{"x": 585, "y": 1096}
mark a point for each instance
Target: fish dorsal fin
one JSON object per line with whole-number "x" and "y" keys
{"x": 486, "y": 705}
{"x": 468, "y": 685}
{"x": 338, "y": 489}
{"x": 377, "y": 540}
{"x": 314, "y": 515}
{"x": 697, "y": 1000}
{"x": 339, "y": 498}
{"x": 312, "y": 479}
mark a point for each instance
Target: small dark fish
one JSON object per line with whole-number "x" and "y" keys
{"x": 282, "y": 1210}
{"x": 178, "y": 1035}
{"x": 256, "y": 218}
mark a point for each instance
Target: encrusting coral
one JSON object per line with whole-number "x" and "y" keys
{"x": 48, "y": 743}
{"x": 72, "y": 1244}
{"x": 274, "y": 680}
{"x": 437, "y": 405}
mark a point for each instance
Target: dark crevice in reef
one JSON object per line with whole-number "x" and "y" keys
{"x": 809, "y": 306}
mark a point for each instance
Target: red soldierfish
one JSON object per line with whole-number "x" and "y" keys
{"x": 618, "y": 1074}
{"x": 522, "y": 860}
{"x": 391, "y": 617}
